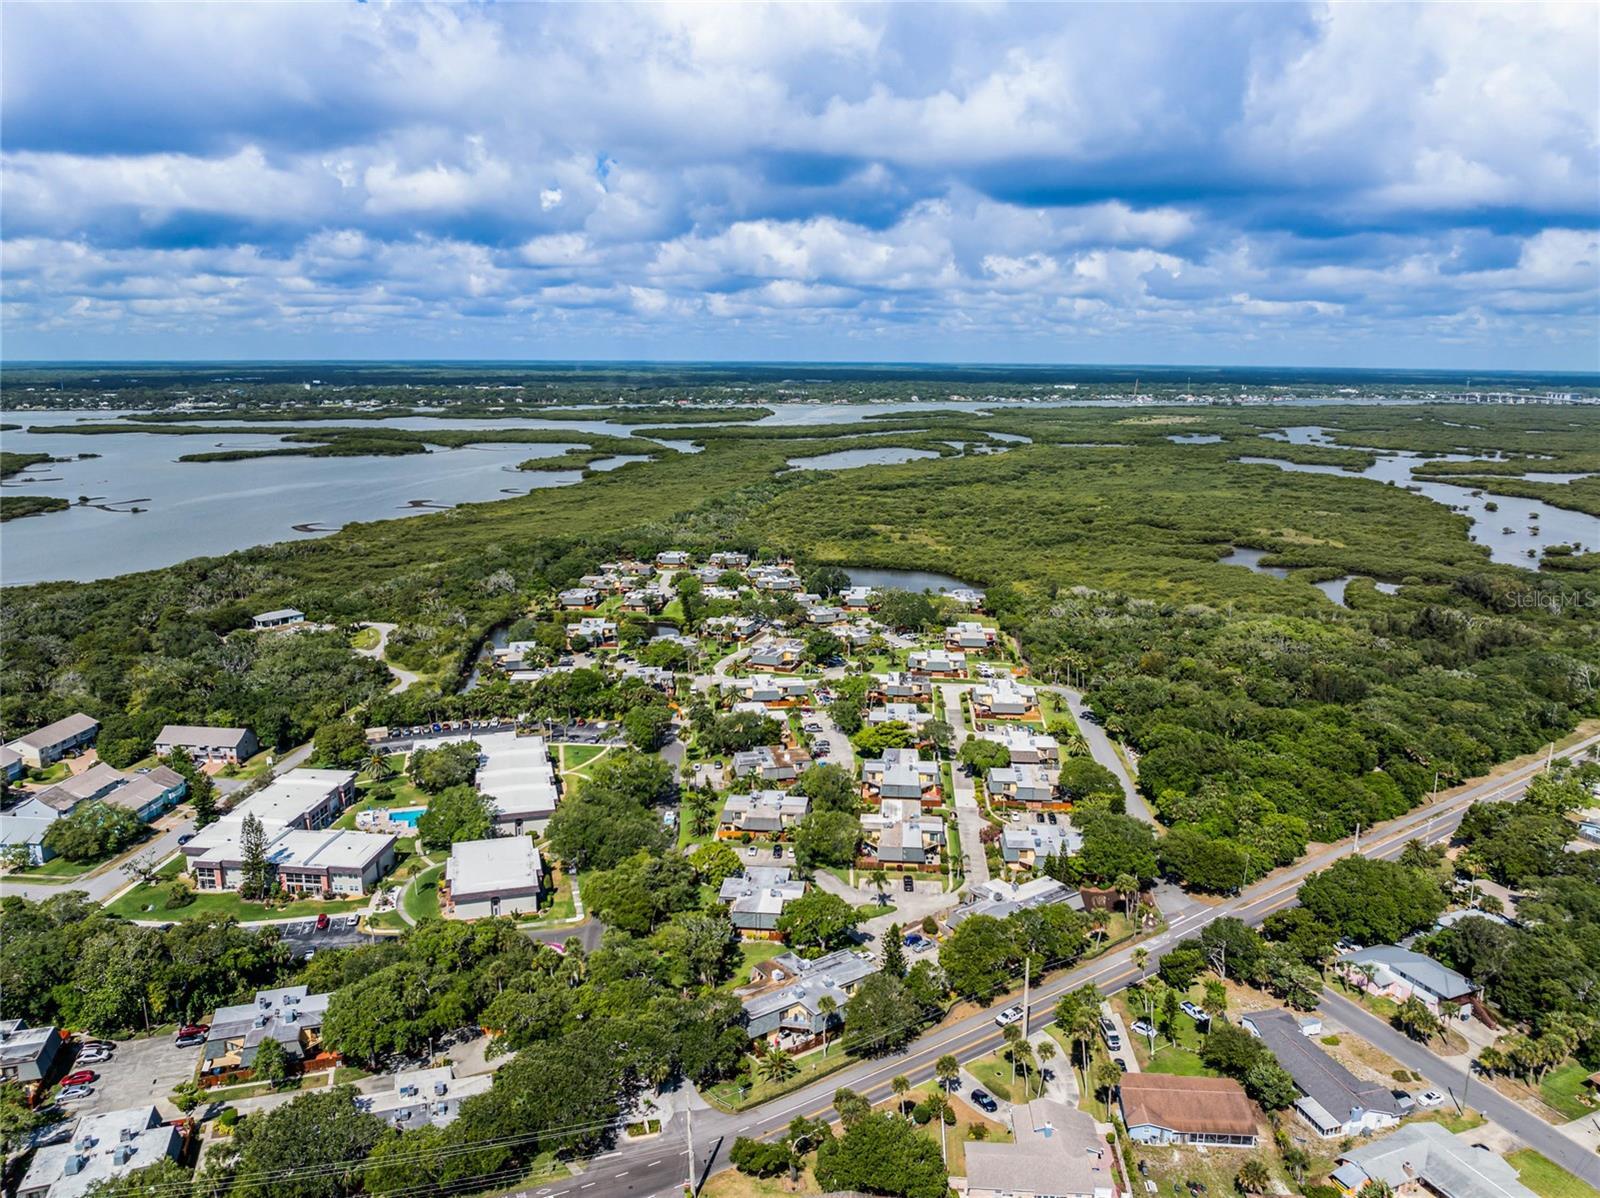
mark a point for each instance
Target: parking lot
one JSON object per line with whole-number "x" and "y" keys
{"x": 139, "y": 1072}
{"x": 302, "y": 936}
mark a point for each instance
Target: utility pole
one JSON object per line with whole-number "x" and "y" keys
{"x": 1027, "y": 978}
{"x": 1357, "y": 849}
{"x": 688, "y": 1112}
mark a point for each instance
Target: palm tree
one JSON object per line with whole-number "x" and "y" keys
{"x": 901, "y": 1085}
{"x": 776, "y": 1065}
{"x": 1253, "y": 1176}
{"x": 1013, "y": 1037}
{"x": 1098, "y": 918}
{"x": 1141, "y": 961}
{"x": 1022, "y": 1053}
{"x": 1128, "y": 887}
{"x": 378, "y": 765}
{"x": 1106, "y": 1076}
{"x": 1046, "y": 1051}
{"x": 947, "y": 1069}
{"x": 826, "y": 1006}
{"x": 880, "y": 879}
{"x": 939, "y": 1107}
{"x": 1078, "y": 1015}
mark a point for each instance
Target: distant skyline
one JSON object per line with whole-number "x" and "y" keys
{"x": 1273, "y": 185}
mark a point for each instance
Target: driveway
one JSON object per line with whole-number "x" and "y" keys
{"x": 1104, "y": 752}
{"x": 969, "y": 817}
{"x": 403, "y": 679}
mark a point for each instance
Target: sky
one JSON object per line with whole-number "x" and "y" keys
{"x": 1345, "y": 185}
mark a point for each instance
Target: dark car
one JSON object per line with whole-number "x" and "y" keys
{"x": 186, "y": 838}
{"x": 982, "y": 1100}
{"x": 910, "y": 883}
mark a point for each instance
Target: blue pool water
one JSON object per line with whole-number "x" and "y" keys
{"x": 409, "y": 817}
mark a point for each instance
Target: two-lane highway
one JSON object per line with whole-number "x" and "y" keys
{"x": 976, "y": 1034}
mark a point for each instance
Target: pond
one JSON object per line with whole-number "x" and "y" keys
{"x": 1193, "y": 438}
{"x": 1250, "y": 559}
{"x": 1516, "y": 531}
{"x": 1334, "y": 588}
{"x": 906, "y": 580}
{"x": 849, "y": 459}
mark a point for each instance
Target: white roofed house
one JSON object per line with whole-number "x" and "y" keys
{"x": 771, "y": 763}
{"x": 673, "y": 559}
{"x": 773, "y": 692}
{"x": 103, "y": 1148}
{"x": 1026, "y": 746}
{"x": 487, "y": 878}
{"x": 517, "y": 777}
{"x": 770, "y": 813}
{"x": 290, "y": 1015}
{"x": 48, "y": 745}
{"x": 1422, "y": 1160}
{"x": 937, "y": 663}
{"x": 425, "y": 1097}
{"x": 858, "y": 599}
{"x": 825, "y": 615}
{"x": 756, "y": 897}
{"x": 728, "y": 559}
{"x": 970, "y": 636}
{"x": 733, "y": 628}
{"x": 901, "y": 687}
{"x": 1025, "y": 785}
{"x": 642, "y": 602}
{"x": 204, "y": 745}
{"x": 28, "y": 1054}
{"x": 901, "y": 774}
{"x": 908, "y": 714}
{"x": 1001, "y": 897}
{"x": 597, "y": 632}
{"x": 785, "y": 1007}
{"x": 899, "y": 834}
{"x": 1004, "y": 699}
{"x": 282, "y": 617}
{"x": 776, "y": 653}
{"x": 1028, "y": 846}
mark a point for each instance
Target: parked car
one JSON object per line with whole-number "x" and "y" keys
{"x": 94, "y": 1056}
{"x": 1193, "y": 1011}
{"x": 982, "y": 1100}
{"x": 1120, "y": 1063}
{"x": 1009, "y": 1016}
{"x": 75, "y": 1093}
{"x": 82, "y": 1077}
{"x": 1053, "y": 818}
{"x": 1143, "y": 1027}
{"x": 106, "y": 1045}
{"x": 1429, "y": 1099}
{"x": 927, "y": 946}
{"x": 913, "y": 939}
{"x": 777, "y": 851}
{"x": 186, "y": 838}
{"x": 908, "y": 884}
{"x": 322, "y": 922}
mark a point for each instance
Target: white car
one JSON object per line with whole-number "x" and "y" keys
{"x": 1009, "y": 1016}
{"x": 1194, "y": 1012}
{"x": 1429, "y": 1099}
{"x": 1143, "y": 1027}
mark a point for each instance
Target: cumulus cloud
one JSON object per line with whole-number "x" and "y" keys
{"x": 1345, "y": 182}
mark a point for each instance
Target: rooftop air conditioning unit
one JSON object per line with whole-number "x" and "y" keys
{"x": 75, "y": 1164}
{"x": 439, "y": 1089}
{"x": 121, "y": 1155}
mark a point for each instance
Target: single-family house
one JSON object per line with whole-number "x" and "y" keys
{"x": 486, "y": 878}
{"x": 1026, "y": 785}
{"x": 1425, "y": 1159}
{"x": 582, "y": 598}
{"x": 902, "y": 687}
{"x": 733, "y": 628}
{"x": 290, "y": 1015}
{"x": 728, "y": 559}
{"x": 776, "y": 653}
{"x": 909, "y": 714}
{"x": 825, "y": 615}
{"x": 1004, "y": 699}
{"x": 424, "y": 1097}
{"x": 1400, "y": 973}
{"x": 898, "y": 833}
{"x": 858, "y": 599}
{"x": 657, "y": 676}
{"x": 1057, "y": 1153}
{"x": 103, "y": 1149}
{"x": 967, "y": 597}
{"x": 642, "y": 602}
{"x": 937, "y": 663}
{"x": 787, "y": 1009}
{"x": 999, "y": 898}
{"x": 203, "y": 745}
{"x": 1028, "y": 846}
{"x": 774, "y": 578}
{"x": 761, "y": 813}
{"x": 1163, "y": 1108}
{"x": 901, "y": 774}
{"x": 672, "y": 559}
{"x": 773, "y": 692}
{"x": 283, "y": 617}
{"x": 1588, "y": 823}
{"x": 27, "y": 1054}
{"x": 969, "y": 636}
{"x": 594, "y": 631}
{"x": 771, "y": 763}
{"x": 48, "y": 745}
{"x": 1332, "y": 1099}
{"x": 1026, "y": 746}
{"x": 756, "y": 897}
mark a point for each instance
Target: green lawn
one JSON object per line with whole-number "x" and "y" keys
{"x": 150, "y": 902}
{"x": 739, "y": 1094}
{"x": 751, "y": 954}
{"x": 575, "y": 757}
{"x": 405, "y": 794}
{"x": 1566, "y": 1088}
{"x": 252, "y": 767}
{"x": 1547, "y": 1179}
{"x": 1178, "y": 1061}
{"x": 49, "y": 775}
{"x": 562, "y": 906}
{"x": 421, "y": 899}
{"x": 58, "y": 867}
{"x": 364, "y": 638}
{"x": 1447, "y": 1118}
{"x": 994, "y": 1075}
{"x": 874, "y": 909}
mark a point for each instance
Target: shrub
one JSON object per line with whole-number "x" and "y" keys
{"x": 920, "y": 1114}
{"x": 758, "y": 1158}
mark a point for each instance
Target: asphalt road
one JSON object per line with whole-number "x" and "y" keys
{"x": 1104, "y": 752}
{"x": 659, "y": 1167}
{"x": 1514, "y": 1117}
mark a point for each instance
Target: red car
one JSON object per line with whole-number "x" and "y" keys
{"x": 190, "y": 1030}
{"x": 81, "y": 1078}
{"x": 322, "y": 923}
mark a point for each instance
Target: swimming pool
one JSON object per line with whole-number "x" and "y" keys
{"x": 408, "y": 817}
